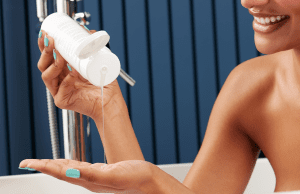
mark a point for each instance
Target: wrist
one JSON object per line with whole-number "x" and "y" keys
{"x": 153, "y": 184}
{"x": 162, "y": 183}
{"x": 112, "y": 108}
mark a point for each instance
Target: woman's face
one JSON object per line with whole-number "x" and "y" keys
{"x": 286, "y": 37}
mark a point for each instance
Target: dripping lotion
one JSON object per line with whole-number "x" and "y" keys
{"x": 85, "y": 52}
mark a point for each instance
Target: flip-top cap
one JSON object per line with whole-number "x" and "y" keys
{"x": 92, "y": 44}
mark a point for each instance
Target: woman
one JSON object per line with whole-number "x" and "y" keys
{"x": 258, "y": 108}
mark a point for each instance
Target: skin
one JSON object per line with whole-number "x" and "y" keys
{"x": 280, "y": 108}
{"x": 257, "y": 109}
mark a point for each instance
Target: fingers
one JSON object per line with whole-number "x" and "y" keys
{"x": 41, "y": 41}
{"x": 92, "y": 176}
{"x": 53, "y": 75}
{"x": 46, "y": 58}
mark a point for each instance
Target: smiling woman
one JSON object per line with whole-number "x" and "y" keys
{"x": 256, "y": 110}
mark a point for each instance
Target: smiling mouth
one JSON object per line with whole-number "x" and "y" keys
{"x": 269, "y": 26}
{"x": 265, "y": 21}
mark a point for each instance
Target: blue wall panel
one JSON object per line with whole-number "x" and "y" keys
{"x": 138, "y": 69}
{"x": 185, "y": 89}
{"x": 225, "y": 38}
{"x": 4, "y": 132}
{"x": 206, "y": 68}
{"x": 162, "y": 81}
{"x": 247, "y": 47}
{"x": 18, "y": 94}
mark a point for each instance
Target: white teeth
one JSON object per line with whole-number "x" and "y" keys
{"x": 273, "y": 19}
{"x": 267, "y": 20}
{"x": 278, "y": 18}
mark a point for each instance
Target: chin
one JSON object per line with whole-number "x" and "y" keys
{"x": 269, "y": 47}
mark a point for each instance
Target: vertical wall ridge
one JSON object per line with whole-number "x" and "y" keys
{"x": 126, "y": 58}
{"x": 29, "y": 78}
{"x": 150, "y": 80}
{"x": 197, "y": 104}
{"x": 101, "y": 15}
{"x": 173, "y": 81}
{"x": 236, "y": 35}
{"x": 216, "y": 46}
{"x": 6, "y": 124}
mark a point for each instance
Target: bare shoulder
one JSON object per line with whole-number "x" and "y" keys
{"x": 253, "y": 81}
{"x": 227, "y": 150}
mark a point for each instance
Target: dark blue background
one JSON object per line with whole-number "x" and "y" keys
{"x": 180, "y": 53}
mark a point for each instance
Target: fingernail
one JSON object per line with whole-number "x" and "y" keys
{"x": 30, "y": 169}
{"x": 26, "y": 168}
{"x": 40, "y": 33}
{"x": 54, "y": 54}
{"x": 69, "y": 67}
{"x": 46, "y": 41}
{"x": 86, "y": 28}
{"x": 73, "y": 173}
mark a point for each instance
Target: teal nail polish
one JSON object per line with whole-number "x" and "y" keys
{"x": 30, "y": 169}
{"x": 69, "y": 68}
{"x": 54, "y": 54}
{"x": 26, "y": 168}
{"x": 86, "y": 28}
{"x": 40, "y": 34}
{"x": 46, "y": 41}
{"x": 74, "y": 173}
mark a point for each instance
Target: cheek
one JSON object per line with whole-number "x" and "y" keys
{"x": 292, "y": 6}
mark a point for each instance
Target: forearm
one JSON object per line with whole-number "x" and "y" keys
{"x": 163, "y": 183}
{"x": 119, "y": 140}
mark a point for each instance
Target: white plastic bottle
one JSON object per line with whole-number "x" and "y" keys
{"x": 86, "y": 52}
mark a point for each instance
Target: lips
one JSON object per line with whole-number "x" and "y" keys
{"x": 261, "y": 28}
{"x": 272, "y": 23}
{"x": 265, "y": 14}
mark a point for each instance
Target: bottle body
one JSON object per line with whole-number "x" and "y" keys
{"x": 92, "y": 66}
{"x": 85, "y": 52}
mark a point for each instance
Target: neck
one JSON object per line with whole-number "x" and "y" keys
{"x": 296, "y": 57}
{"x": 295, "y": 53}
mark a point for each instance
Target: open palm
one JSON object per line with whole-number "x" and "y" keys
{"x": 119, "y": 177}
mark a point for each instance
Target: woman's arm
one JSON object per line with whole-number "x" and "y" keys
{"x": 120, "y": 142}
{"x": 228, "y": 155}
{"x": 163, "y": 183}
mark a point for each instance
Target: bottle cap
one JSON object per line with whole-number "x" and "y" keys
{"x": 92, "y": 44}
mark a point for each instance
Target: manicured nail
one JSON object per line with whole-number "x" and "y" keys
{"x": 69, "y": 67}
{"x": 41, "y": 33}
{"x": 46, "y": 41}
{"x": 30, "y": 169}
{"x": 74, "y": 173}
{"x": 26, "y": 168}
{"x": 86, "y": 28}
{"x": 54, "y": 54}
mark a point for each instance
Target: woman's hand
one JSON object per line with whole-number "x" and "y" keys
{"x": 69, "y": 89}
{"x": 130, "y": 175}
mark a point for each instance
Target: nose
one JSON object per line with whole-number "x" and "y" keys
{"x": 254, "y": 3}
